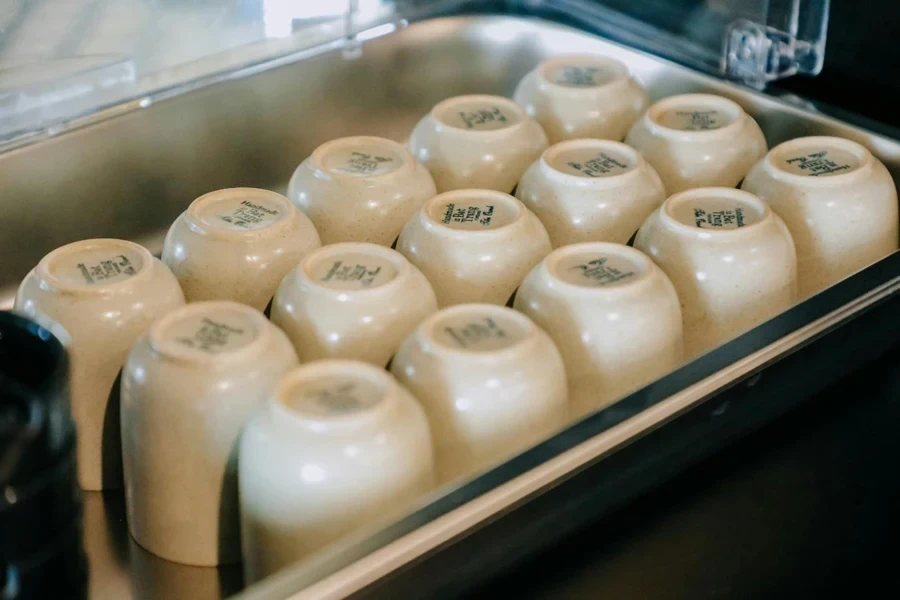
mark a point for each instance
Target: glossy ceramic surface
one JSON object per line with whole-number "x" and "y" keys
{"x": 237, "y": 244}
{"x": 188, "y": 389}
{"x": 613, "y": 315}
{"x": 731, "y": 259}
{"x": 838, "y": 201}
{"x": 591, "y": 191}
{"x": 582, "y": 96}
{"x": 491, "y": 381}
{"x": 477, "y": 141}
{"x": 698, "y": 140}
{"x": 360, "y": 189}
{"x": 340, "y": 446}
{"x": 104, "y": 293}
{"x": 474, "y": 245}
{"x": 353, "y": 301}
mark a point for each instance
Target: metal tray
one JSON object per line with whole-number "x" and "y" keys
{"x": 130, "y": 170}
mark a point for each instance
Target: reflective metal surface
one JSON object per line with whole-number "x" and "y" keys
{"x": 130, "y": 173}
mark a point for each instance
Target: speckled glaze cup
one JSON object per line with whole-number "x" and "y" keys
{"x": 492, "y": 384}
{"x": 591, "y": 191}
{"x": 340, "y": 446}
{"x": 360, "y": 189}
{"x": 838, "y": 201}
{"x": 104, "y": 293}
{"x": 698, "y": 140}
{"x": 477, "y": 141}
{"x": 613, "y": 315}
{"x": 582, "y": 96}
{"x": 188, "y": 389}
{"x": 353, "y": 301}
{"x": 237, "y": 244}
{"x": 731, "y": 259}
{"x": 474, "y": 245}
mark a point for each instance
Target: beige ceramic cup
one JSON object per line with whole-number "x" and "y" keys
{"x": 340, "y": 446}
{"x": 838, "y": 201}
{"x": 613, "y": 314}
{"x": 104, "y": 293}
{"x": 477, "y": 141}
{"x": 582, "y": 96}
{"x": 698, "y": 140}
{"x": 189, "y": 388}
{"x": 353, "y": 301}
{"x": 731, "y": 259}
{"x": 491, "y": 381}
{"x": 474, "y": 245}
{"x": 360, "y": 189}
{"x": 591, "y": 191}
{"x": 237, "y": 244}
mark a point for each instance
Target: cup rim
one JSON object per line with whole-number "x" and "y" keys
{"x": 658, "y": 129}
{"x": 634, "y": 156}
{"x": 668, "y": 218}
{"x": 196, "y": 223}
{"x": 317, "y": 158}
{"x": 508, "y": 103}
{"x": 44, "y": 273}
{"x": 435, "y": 225}
{"x": 862, "y": 153}
{"x": 622, "y": 73}
{"x": 631, "y": 254}
{"x": 401, "y": 265}
{"x": 425, "y": 332}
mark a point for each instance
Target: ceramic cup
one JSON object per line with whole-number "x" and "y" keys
{"x": 591, "y": 191}
{"x": 838, "y": 201}
{"x": 340, "y": 446}
{"x": 237, "y": 244}
{"x": 104, "y": 293}
{"x": 491, "y": 381}
{"x": 582, "y": 96}
{"x": 360, "y": 189}
{"x": 613, "y": 315}
{"x": 188, "y": 389}
{"x": 477, "y": 141}
{"x": 731, "y": 259}
{"x": 698, "y": 140}
{"x": 353, "y": 301}
{"x": 474, "y": 245}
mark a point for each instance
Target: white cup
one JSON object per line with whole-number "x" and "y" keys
{"x": 352, "y": 301}
{"x": 474, "y": 245}
{"x": 731, "y": 260}
{"x": 188, "y": 389}
{"x": 613, "y": 315}
{"x": 698, "y": 140}
{"x": 237, "y": 244}
{"x": 360, "y": 189}
{"x": 339, "y": 447}
{"x": 591, "y": 191}
{"x": 492, "y": 384}
{"x": 582, "y": 96}
{"x": 477, "y": 141}
{"x": 104, "y": 293}
{"x": 838, "y": 201}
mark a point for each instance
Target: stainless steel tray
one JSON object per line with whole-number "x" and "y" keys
{"x": 130, "y": 170}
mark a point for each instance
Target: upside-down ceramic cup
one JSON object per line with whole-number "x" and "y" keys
{"x": 838, "y": 201}
{"x": 360, "y": 189}
{"x": 104, "y": 293}
{"x": 474, "y": 245}
{"x": 591, "y": 191}
{"x": 477, "y": 141}
{"x": 582, "y": 96}
{"x": 353, "y": 301}
{"x": 237, "y": 244}
{"x": 188, "y": 389}
{"x": 613, "y": 315}
{"x": 731, "y": 259}
{"x": 698, "y": 140}
{"x": 340, "y": 446}
{"x": 491, "y": 381}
